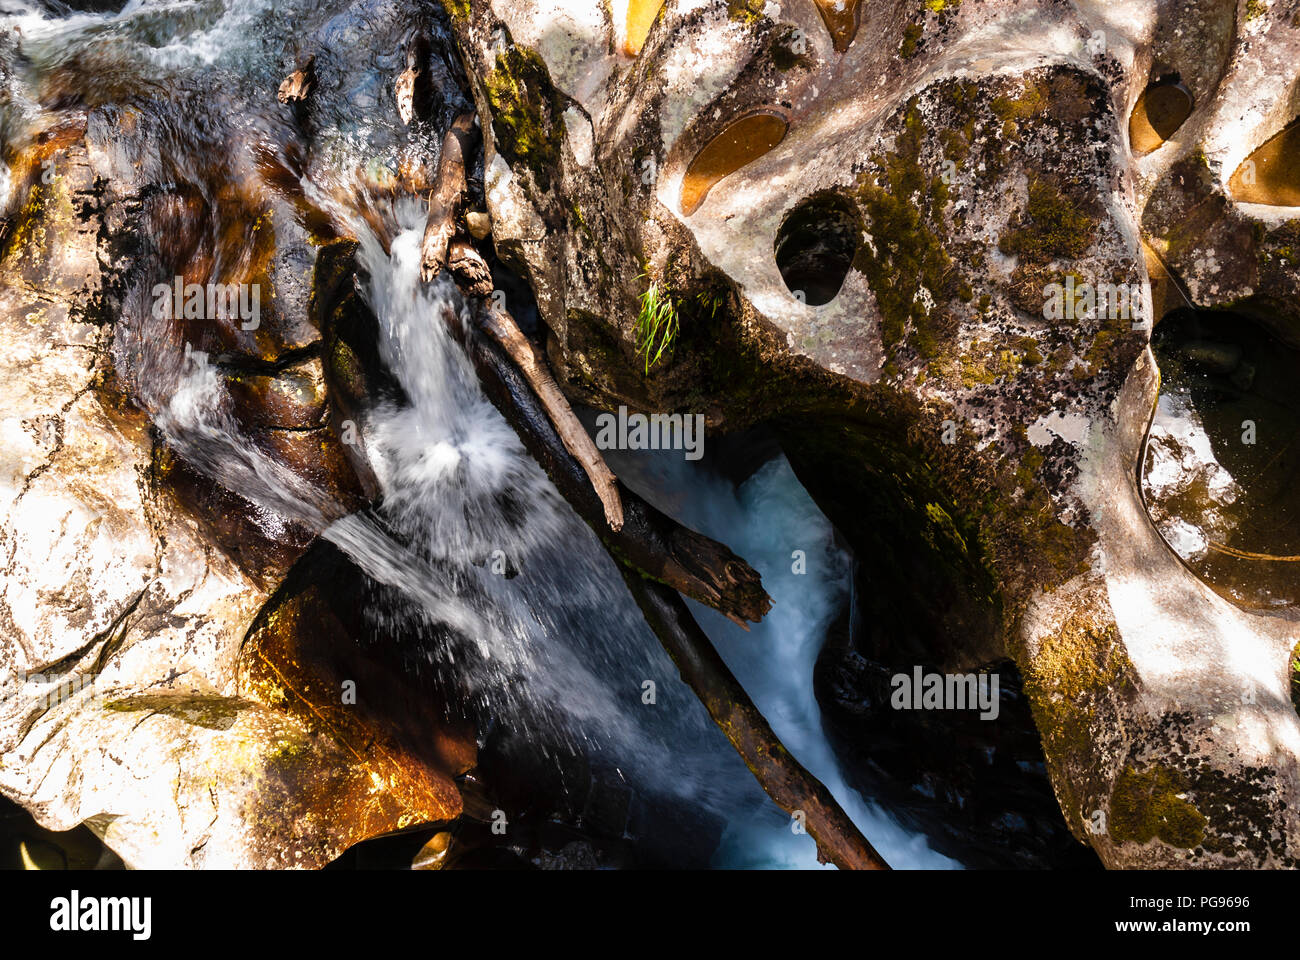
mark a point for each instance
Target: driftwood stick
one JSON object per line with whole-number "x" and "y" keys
{"x": 404, "y": 91}
{"x": 501, "y": 327}
{"x": 473, "y": 275}
{"x": 448, "y": 194}
{"x": 648, "y": 541}
{"x": 475, "y": 278}
{"x": 785, "y": 780}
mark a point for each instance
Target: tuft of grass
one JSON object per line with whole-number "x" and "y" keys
{"x": 1295, "y": 677}
{"x": 657, "y": 325}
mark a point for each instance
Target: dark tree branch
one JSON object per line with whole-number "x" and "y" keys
{"x": 790, "y": 786}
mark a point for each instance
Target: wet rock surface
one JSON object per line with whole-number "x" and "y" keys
{"x": 1221, "y": 492}
{"x": 163, "y": 693}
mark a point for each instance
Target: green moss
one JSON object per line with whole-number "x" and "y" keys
{"x": 1152, "y": 806}
{"x": 457, "y": 9}
{"x": 1031, "y": 461}
{"x": 1255, "y": 9}
{"x": 1031, "y": 103}
{"x": 956, "y": 146}
{"x": 526, "y": 112}
{"x": 911, "y": 40}
{"x": 27, "y": 227}
{"x": 1050, "y": 227}
{"x": 209, "y": 711}
{"x": 1029, "y": 348}
{"x": 942, "y": 531}
{"x": 900, "y": 207}
{"x": 746, "y": 11}
{"x": 1295, "y": 677}
{"x": 1072, "y": 672}
{"x": 981, "y": 364}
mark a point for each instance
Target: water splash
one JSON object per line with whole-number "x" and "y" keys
{"x": 766, "y": 521}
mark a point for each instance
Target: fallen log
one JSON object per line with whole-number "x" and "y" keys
{"x": 791, "y": 787}
{"x": 447, "y": 197}
{"x": 658, "y": 558}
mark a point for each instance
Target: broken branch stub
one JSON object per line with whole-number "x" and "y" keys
{"x": 447, "y": 197}
{"x": 298, "y": 85}
{"x": 473, "y": 275}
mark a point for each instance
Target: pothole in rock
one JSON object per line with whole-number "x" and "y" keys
{"x": 1162, "y": 108}
{"x": 841, "y": 19}
{"x": 815, "y": 246}
{"x": 1272, "y": 173}
{"x": 740, "y": 144}
{"x": 641, "y": 15}
{"x": 1221, "y": 471}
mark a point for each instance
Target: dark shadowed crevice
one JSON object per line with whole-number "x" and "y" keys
{"x": 815, "y": 247}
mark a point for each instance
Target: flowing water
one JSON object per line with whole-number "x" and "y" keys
{"x": 556, "y": 649}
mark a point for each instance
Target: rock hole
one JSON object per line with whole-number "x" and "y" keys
{"x": 1221, "y": 469}
{"x": 641, "y": 15}
{"x": 815, "y": 247}
{"x": 1162, "y": 108}
{"x": 841, "y": 19}
{"x": 1272, "y": 173}
{"x": 743, "y": 142}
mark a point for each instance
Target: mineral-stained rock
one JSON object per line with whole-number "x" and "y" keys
{"x": 123, "y": 615}
{"x": 974, "y": 438}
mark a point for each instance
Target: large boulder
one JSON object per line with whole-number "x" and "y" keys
{"x": 862, "y": 220}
